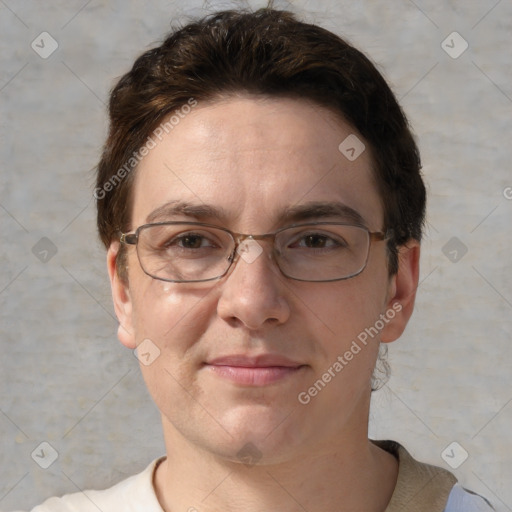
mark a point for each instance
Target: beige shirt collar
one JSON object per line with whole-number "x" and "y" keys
{"x": 420, "y": 487}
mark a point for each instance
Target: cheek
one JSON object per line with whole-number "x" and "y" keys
{"x": 345, "y": 308}
{"x": 168, "y": 321}
{"x": 170, "y": 315}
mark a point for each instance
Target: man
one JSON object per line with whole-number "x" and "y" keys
{"x": 261, "y": 201}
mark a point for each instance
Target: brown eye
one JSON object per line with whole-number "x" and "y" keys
{"x": 315, "y": 241}
{"x": 191, "y": 241}
{"x": 318, "y": 241}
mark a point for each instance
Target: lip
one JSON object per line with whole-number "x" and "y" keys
{"x": 259, "y": 361}
{"x": 254, "y": 370}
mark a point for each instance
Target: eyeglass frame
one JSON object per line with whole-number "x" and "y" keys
{"x": 238, "y": 238}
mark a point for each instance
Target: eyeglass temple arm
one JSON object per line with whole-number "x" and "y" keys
{"x": 382, "y": 235}
{"x": 128, "y": 238}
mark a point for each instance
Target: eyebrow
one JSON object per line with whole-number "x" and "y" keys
{"x": 292, "y": 214}
{"x": 320, "y": 210}
{"x": 196, "y": 211}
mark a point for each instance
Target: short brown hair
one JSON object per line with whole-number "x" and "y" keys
{"x": 268, "y": 52}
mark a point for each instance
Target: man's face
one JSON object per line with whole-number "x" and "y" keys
{"x": 252, "y": 160}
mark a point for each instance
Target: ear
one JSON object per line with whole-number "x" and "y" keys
{"x": 121, "y": 298}
{"x": 402, "y": 291}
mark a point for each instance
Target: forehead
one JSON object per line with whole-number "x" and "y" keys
{"x": 251, "y": 159}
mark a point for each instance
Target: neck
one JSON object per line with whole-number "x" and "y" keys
{"x": 351, "y": 474}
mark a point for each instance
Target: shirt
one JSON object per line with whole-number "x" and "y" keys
{"x": 420, "y": 487}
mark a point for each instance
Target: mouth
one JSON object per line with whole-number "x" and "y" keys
{"x": 254, "y": 371}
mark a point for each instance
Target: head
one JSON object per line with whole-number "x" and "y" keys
{"x": 247, "y": 113}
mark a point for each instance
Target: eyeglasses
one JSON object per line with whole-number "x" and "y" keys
{"x": 189, "y": 252}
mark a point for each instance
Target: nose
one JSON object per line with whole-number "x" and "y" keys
{"x": 253, "y": 292}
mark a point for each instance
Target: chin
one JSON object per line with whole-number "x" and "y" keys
{"x": 270, "y": 434}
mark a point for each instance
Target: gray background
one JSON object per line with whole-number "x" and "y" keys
{"x": 64, "y": 377}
